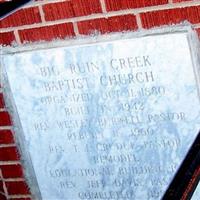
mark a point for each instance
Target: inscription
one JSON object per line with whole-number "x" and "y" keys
{"x": 109, "y": 120}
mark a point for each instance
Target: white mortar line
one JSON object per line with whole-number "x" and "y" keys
{"x": 5, "y": 189}
{"x": 41, "y": 13}
{"x": 104, "y": 15}
{"x": 3, "y": 109}
{"x": 5, "y": 127}
{"x": 139, "y": 23}
{"x": 4, "y": 185}
{"x": 10, "y": 162}
{"x": 19, "y": 196}
{"x": 76, "y": 29}
{"x": 13, "y": 179}
{"x": 7, "y": 145}
{"x": 103, "y": 6}
{"x": 3, "y": 193}
{"x": 17, "y": 36}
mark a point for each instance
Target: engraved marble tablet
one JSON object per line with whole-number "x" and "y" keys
{"x": 107, "y": 120}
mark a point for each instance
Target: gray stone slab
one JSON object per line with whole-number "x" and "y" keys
{"x": 106, "y": 119}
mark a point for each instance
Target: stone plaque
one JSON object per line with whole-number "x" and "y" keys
{"x": 112, "y": 118}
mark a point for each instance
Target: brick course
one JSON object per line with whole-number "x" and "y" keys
{"x": 113, "y": 5}
{"x": 171, "y": 16}
{"x": 47, "y": 33}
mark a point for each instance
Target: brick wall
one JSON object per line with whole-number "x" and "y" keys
{"x": 50, "y": 19}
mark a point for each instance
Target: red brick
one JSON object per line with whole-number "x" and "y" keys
{"x": 9, "y": 154}
{"x": 171, "y": 16}
{"x": 86, "y": 7}
{"x": 1, "y": 186}
{"x": 17, "y": 188}
{"x": 1, "y": 101}
{"x": 112, "y": 5}
{"x": 12, "y": 171}
{"x": 2, "y": 197}
{"x": 73, "y": 8}
{"x": 21, "y": 17}
{"x": 177, "y": 1}
{"x": 6, "y": 137}
{"x": 61, "y": 10}
{"x": 106, "y": 25}
{"x": 47, "y": 33}
{"x": 7, "y": 38}
{"x": 5, "y": 119}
